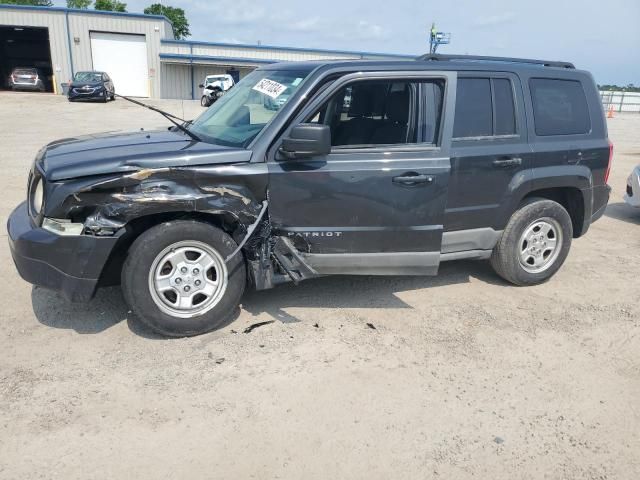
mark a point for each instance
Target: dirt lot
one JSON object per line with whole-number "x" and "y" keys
{"x": 463, "y": 376}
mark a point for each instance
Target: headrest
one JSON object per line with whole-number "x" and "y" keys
{"x": 361, "y": 102}
{"x": 398, "y": 107}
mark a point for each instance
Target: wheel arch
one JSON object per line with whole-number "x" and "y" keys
{"x": 110, "y": 276}
{"x": 571, "y": 198}
{"x": 570, "y": 186}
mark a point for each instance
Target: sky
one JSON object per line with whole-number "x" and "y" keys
{"x": 602, "y": 37}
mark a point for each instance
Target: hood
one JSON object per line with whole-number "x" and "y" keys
{"x": 76, "y": 84}
{"x": 129, "y": 152}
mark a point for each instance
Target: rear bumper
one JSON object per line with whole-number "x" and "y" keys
{"x": 28, "y": 86}
{"x": 70, "y": 265}
{"x": 600, "y": 200}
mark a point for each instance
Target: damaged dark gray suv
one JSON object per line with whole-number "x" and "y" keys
{"x": 309, "y": 169}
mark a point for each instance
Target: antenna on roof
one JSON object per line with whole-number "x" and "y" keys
{"x": 437, "y": 38}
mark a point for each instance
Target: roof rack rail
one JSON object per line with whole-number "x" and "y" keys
{"x": 474, "y": 58}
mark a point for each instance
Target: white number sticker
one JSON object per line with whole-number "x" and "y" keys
{"x": 270, "y": 88}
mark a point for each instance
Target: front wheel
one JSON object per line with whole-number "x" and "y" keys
{"x": 204, "y": 101}
{"x": 535, "y": 243}
{"x": 177, "y": 282}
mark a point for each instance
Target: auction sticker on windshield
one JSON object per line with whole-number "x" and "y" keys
{"x": 269, "y": 87}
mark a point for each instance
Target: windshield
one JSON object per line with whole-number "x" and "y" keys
{"x": 215, "y": 79}
{"x": 88, "y": 77}
{"x": 247, "y": 108}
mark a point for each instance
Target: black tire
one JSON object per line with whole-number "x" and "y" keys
{"x": 140, "y": 259}
{"x": 204, "y": 101}
{"x": 505, "y": 258}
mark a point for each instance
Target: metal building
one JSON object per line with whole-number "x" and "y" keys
{"x": 138, "y": 51}
{"x": 63, "y": 41}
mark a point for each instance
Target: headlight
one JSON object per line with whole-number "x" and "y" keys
{"x": 38, "y": 196}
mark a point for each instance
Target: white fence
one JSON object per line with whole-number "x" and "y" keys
{"x": 621, "y": 101}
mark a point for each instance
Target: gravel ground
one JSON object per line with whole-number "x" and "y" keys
{"x": 463, "y": 376}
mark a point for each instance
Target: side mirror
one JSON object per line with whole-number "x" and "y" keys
{"x": 306, "y": 140}
{"x": 201, "y": 85}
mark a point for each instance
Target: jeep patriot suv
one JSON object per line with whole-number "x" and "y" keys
{"x": 365, "y": 168}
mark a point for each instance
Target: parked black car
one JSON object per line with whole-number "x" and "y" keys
{"x": 28, "y": 78}
{"x": 368, "y": 167}
{"x": 91, "y": 86}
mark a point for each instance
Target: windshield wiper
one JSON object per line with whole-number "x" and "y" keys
{"x": 172, "y": 118}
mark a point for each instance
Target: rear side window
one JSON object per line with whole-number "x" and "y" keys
{"x": 474, "y": 116}
{"x": 484, "y": 108}
{"x": 505, "y": 121}
{"x": 559, "y": 107}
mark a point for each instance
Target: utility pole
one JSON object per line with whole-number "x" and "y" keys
{"x": 437, "y": 38}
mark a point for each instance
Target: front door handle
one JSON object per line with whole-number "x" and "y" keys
{"x": 412, "y": 178}
{"x": 507, "y": 162}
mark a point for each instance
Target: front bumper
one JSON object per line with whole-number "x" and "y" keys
{"x": 96, "y": 95}
{"x": 70, "y": 265}
{"x": 632, "y": 195}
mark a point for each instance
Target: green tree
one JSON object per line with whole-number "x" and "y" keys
{"x": 110, "y": 5}
{"x": 176, "y": 17}
{"x": 39, "y": 3}
{"x": 82, "y": 4}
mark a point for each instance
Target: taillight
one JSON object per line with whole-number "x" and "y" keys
{"x": 606, "y": 175}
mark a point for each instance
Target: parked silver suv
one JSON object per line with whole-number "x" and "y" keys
{"x": 27, "y": 78}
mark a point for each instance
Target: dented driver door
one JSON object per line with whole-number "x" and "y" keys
{"x": 375, "y": 208}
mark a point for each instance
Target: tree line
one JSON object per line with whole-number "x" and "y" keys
{"x": 176, "y": 16}
{"x": 630, "y": 87}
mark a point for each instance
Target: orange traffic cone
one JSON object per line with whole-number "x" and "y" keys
{"x": 610, "y": 113}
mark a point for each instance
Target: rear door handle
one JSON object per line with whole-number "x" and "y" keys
{"x": 507, "y": 162}
{"x": 412, "y": 178}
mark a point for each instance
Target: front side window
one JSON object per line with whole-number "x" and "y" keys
{"x": 237, "y": 118}
{"x": 559, "y": 107}
{"x": 382, "y": 112}
{"x": 484, "y": 108}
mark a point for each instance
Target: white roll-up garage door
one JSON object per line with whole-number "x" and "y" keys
{"x": 124, "y": 58}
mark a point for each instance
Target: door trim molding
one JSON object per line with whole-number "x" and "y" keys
{"x": 383, "y": 263}
{"x": 472, "y": 239}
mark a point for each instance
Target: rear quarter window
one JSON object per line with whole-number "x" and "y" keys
{"x": 559, "y": 107}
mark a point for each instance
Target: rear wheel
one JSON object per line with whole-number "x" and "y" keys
{"x": 535, "y": 243}
{"x": 176, "y": 279}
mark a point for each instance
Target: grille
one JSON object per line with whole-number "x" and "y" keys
{"x": 84, "y": 90}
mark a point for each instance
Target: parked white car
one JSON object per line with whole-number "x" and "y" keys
{"x": 213, "y": 88}
{"x": 632, "y": 195}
